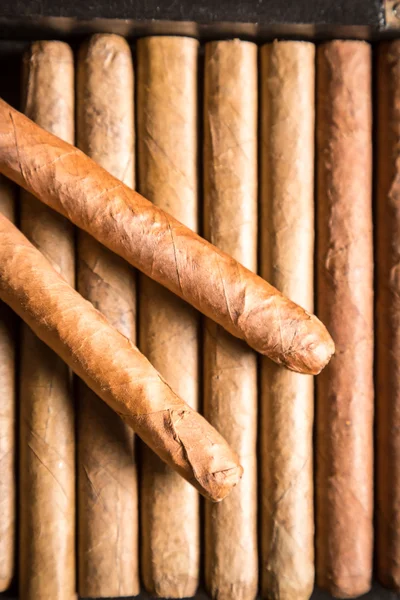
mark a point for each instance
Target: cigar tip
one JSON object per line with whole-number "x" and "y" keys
{"x": 317, "y": 349}
{"x": 346, "y": 585}
{"x": 321, "y": 352}
{"x": 389, "y": 577}
{"x": 216, "y": 486}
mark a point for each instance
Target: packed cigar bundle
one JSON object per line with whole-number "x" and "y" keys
{"x": 169, "y": 327}
{"x": 107, "y": 520}
{"x": 287, "y": 251}
{"x": 46, "y": 407}
{"x": 253, "y": 169}
{"x": 344, "y": 409}
{"x": 388, "y": 324}
{"x": 230, "y": 367}
{"x": 8, "y": 333}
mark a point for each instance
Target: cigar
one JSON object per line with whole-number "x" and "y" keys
{"x": 167, "y": 153}
{"x": 107, "y": 491}
{"x": 113, "y": 367}
{"x": 8, "y": 336}
{"x": 344, "y": 442}
{"x": 287, "y": 247}
{"x": 164, "y": 249}
{"x": 230, "y": 366}
{"x": 47, "y": 426}
{"x": 388, "y": 322}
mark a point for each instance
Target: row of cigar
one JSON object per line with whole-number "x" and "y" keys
{"x": 229, "y": 150}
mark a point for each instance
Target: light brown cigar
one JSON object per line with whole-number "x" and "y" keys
{"x": 345, "y": 391}
{"x": 47, "y": 437}
{"x": 167, "y": 152}
{"x": 230, "y": 366}
{"x": 388, "y": 318}
{"x": 108, "y": 516}
{"x": 113, "y": 367}
{"x": 167, "y": 251}
{"x": 8, "y": 334}
{"x": 287, "y": 247}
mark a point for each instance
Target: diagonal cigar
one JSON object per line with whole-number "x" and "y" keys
{"x": 113, "y": 367}
{"x": 248, "y": 307}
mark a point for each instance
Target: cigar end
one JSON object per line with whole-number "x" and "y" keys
{"x": 346, "y": 587}
{"x": 317, "y": 350}
{"x": 216, "y": 486}
{"x": 5, "y": 583}
{"x": 389, "y": 577}
{"x": 321, "y": 353}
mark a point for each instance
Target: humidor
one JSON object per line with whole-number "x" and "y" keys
{"x": 24, "y": 21}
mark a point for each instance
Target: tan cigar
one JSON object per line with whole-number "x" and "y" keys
{"x": 230, "y": 366}
{"x": 113, "y": 367}
{"x": 47, "y": 428}
{"x": 344, "y": 443}
{"x": 8, "y": 335}
{"x": 167, "y": 153}
{"x": 287, "y": 248}
{"x": 388, "y": 318}
{"x": 108, "y": 518}
{"x": 164, "y": 249}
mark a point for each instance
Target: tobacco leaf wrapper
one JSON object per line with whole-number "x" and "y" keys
{"x": 107, "y": 491}
{"x": 8, "y": 334}
{"x": 230, "y": 366}
{"x": 345, "y": 392}
{"x": 388, "y": 317}
{"x": 169, "y": 327}
{"x": 164, "y": 249}
{"x": 47, "y": 423}
{"x": 287, "y": 248}
{"x": 113, "y": 367}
